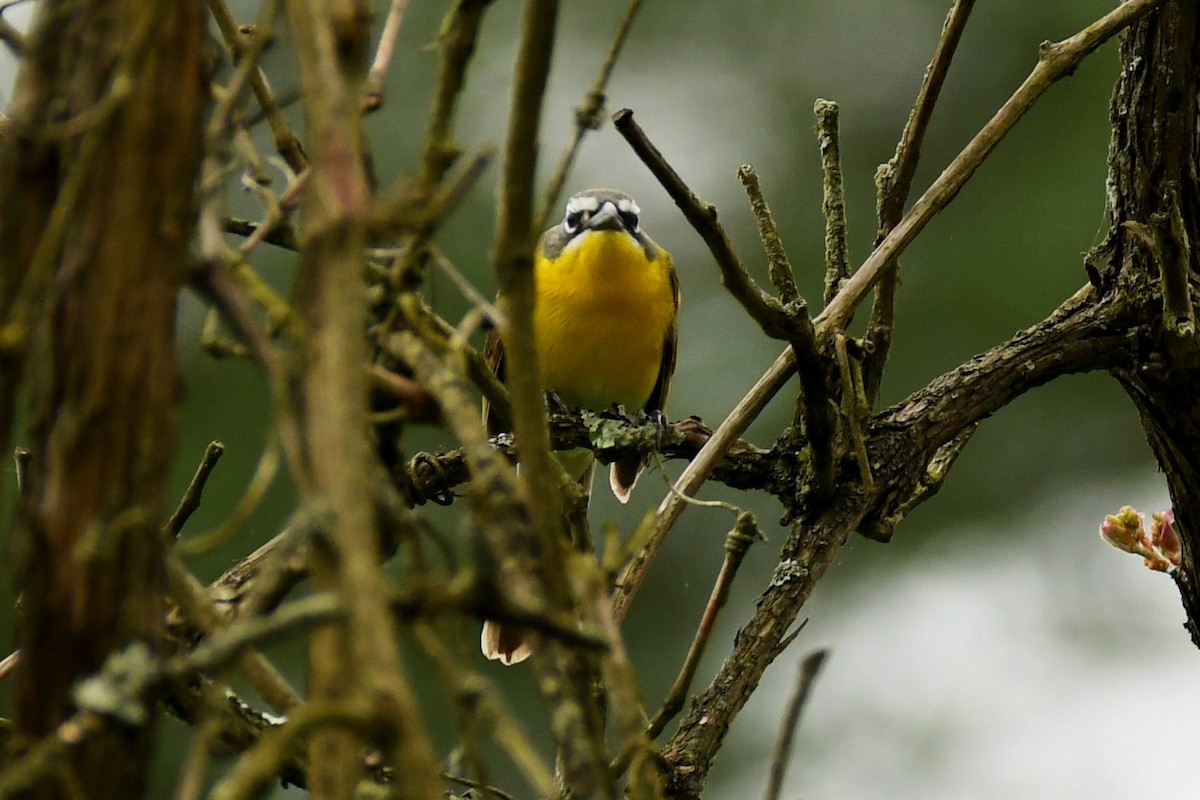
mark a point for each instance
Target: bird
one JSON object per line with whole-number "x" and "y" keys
{"x": 605, "y": 325}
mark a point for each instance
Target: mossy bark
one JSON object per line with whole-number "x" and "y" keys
{"x": 97, "y": 171}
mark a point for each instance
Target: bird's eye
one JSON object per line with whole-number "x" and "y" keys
{"x": 572, "y": 222}
{"x": 630, "y": 220}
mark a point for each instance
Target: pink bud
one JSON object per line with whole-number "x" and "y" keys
{"x": 1165, "y": 538}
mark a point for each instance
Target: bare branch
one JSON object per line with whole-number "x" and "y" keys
{"x": 1080, "y": 336}
{"x": 191, "y": 497}
{"x": 373, "y": 96}
{"x": 286, "y": 142}
{"x": 587, "y": 116}
{"x": 810, "y": 667}
{"x": 1055, "y": 62}
{"x": 894, "y": 180}
{"x": 833, "y": 200}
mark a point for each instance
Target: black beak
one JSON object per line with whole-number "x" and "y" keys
{"x": 606, "y": 219}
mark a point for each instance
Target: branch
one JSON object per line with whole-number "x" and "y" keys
{"x": 788, "y": 322}
{"x": 457, "y": 39}
{"x": 286, "y": 142}
{"x": 833, "y": 199}
{"x": 433, "y": 476}
{"x": 810, "y": 667}
{"x": 373, "y": 96}
{"x": 1055, "y": 61}
{"x": 565, "y": 685}
{"x": 587, "y": 116}
{"x": 894, "y": 180}
{"x": 360, "y": 661}
{"x": 777, "y": 320}
{"x": 909, "y": 446}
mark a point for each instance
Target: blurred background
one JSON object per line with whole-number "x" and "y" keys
{"x": 997, "y": 647}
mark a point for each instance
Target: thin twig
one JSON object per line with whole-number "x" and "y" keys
{"x": 778, "y": 265}
{"x": 195, "y": 764}
{"x": 852, "y": 392}
{"x": 275, "y": 228}
{"x": 737, "y": 543}
{"x": 280, "y": 235}
{"x": 13, "y": 38}
{"x": 415, "y": 402}
{"x": 396, "y": 208}
{"x": 22, "y": 460}
{"x": 245, "y": 58}
{"x": 9, "y": 663}
{"x": 199, "y": 610}
{"x": 484, "y": 788}
{"x": 807, "y": 674}
{"x": 457, "y": 38}
{"x": 436, "y": 331}
{"x": 464, "y": 285}
{"x": 894, "y": 180}
{"x": 833, "y": 199}
{"x": 816, "y": 409}
{"x": 479, "y": 705}
{"x": 588, "y": 117}
{"x": 258, "y": 768}
{"x": 286, "y": 142}
{"x": 777, "y": 320}
{"x": 620, "y": 679}
{"x": 373, "y": 94}
{"x": 191, "y": 497}
{"x": 256, "y": 489}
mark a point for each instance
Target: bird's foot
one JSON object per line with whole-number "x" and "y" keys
{"x": 658, "y": 419}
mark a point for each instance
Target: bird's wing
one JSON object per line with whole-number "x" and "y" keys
{"x": 493, "y": 356}
{"x": 666, "y": 367}
{"x": 623, "y": 473}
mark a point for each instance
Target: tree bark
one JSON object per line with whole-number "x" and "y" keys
{"x": 96, "y": 172}
{"x": 1154, "y": 209}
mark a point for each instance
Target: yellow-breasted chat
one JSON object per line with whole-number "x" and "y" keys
{"x": 605, "y": 312}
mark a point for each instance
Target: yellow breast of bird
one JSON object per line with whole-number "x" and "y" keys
{"x": 602, "y": 314}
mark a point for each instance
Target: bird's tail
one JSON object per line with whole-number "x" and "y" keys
{"x": 511, "y": 645}
{"x": 507, "y": 645}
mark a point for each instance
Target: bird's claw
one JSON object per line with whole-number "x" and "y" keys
{"x": 658, "y": 419}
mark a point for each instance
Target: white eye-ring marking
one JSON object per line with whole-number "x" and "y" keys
{"x": 579, "y": 208}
